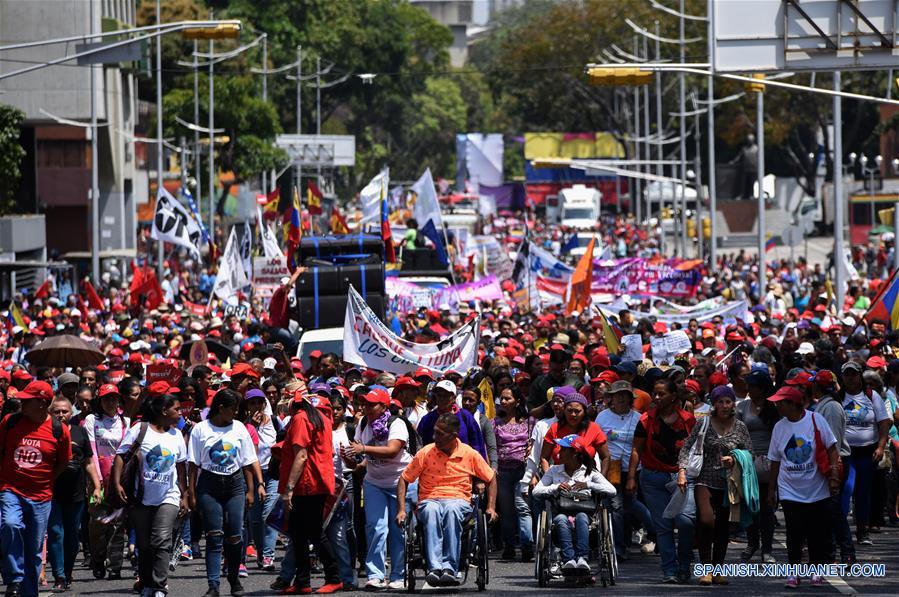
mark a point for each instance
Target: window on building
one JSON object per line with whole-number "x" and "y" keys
{"x": 62, "y": 154}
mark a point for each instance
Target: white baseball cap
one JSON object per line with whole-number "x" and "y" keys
{"x": 269, "y": 363}
{"x": 805, "y": 348}
{"x": 446, "y": 385}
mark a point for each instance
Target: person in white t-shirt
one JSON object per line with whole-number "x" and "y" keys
{"x": 223, "y": 469}
{"x": 164, "y": 477}
{"x": 383, "y": 444}
{"x": 105, "y": 429}
{"x": 253, "y": 413}
{"x": 794, "y": 476}
{"x": 867, "y": 432}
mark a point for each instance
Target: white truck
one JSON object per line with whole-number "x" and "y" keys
{"x": 580, "y": 207}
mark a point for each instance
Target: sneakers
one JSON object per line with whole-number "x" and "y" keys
{"x": 295, "y": 590}
{"x": 268, "y": 564}
{"x": 768, "y": 558}
{"x": 59, "y": 586}
{"x": 582, "y": 564}
{"x": 331, "y": 587}
{"x": 279, "y": 584}
{"x": 251, "y": 552}
{"x": 396, "y": 585}
{"x": 648, "y": 548}
{"x": 114, "y": 575}
{"x": 448, "y": 579}
{"x": 569, "y": 565}
{"x": 817, "y": 580}
{"x": 433, "y": 578}
{"x": 212, "y": 592}
{"x": 242, "y": 572}
{"x": 747, "y": 553}
{"x": 375, "y": 584}
{"x": 865, "y": 540}
{"x": 669, "y": 579}
{"x": 792, "y": 582}
{"x": 555, "y": 570}
{"x": 705, "y": 581}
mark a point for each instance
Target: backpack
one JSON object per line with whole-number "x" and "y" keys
{"x": 414, "y": 442}
{"x": 132, "y": 479}
{"x": 13, "y": 420}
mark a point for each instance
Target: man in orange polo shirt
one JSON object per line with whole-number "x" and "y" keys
{"x": 444, "y": 470}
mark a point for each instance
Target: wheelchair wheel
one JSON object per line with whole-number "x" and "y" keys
{"x": 409, "y": 532}
{"x": 608, "y": 563}
{"x": 483, "y": 552}
{"x": 543, "y": 549}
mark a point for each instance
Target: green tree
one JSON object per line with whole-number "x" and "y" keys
{"x": 11, "y": 155}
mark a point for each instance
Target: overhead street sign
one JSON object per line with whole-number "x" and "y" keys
{"x": 319, "y": 150}
{"x": 805, "y": 35}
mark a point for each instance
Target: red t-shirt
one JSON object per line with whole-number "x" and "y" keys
{"x": 318, "y": 474}
{"x": 30, "y": 454}
{"x": 663, "y": 441}
{"x": 593, "y": 435}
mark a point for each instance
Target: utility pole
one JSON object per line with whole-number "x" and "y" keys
{"x": 838, "y": 251}
{"x": 646, "y": 148}
{"x": 760, "y": 132}
{"x": 264, "y": 96}
{"x": 160, "y": 256}
{"x": 95, "y": 168}
{"x": 197, "y": 161}
{"x": 318, "y": 112}
{"x": 299, "y": 169}
{"x": 635, "y": 184}
{"x": 713, "y": 193}
{"x": 660, "y": 152}
{"x": 683, "y": 138}
{"x": 211, "y": 142}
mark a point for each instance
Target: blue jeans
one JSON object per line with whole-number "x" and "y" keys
{"x": 859, "y": 481}
{"x": 673, "y": 559}
{"x": 337, "y": 535}
{"x": 263, "y": 535}
{"x": 577, "y": 546}
{"x": 442, "y": 523}
{"x": 382, "y": 531}
{"x": 220, "y": 499}
{"x": 513, "y": 509}
{"x": 622, "y": 505}
{"x": 62, "y": 537}
{"x": 23, "y": 525}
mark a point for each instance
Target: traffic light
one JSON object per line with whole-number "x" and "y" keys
{"x": 619, "y": 77}
{"x": 691, "y": 228}
{"x": 228, "y": 30}
{"x": 756, "y": 87}
{"x": 707, "y": 228}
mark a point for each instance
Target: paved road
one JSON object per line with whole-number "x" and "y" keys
{"x": 638, "y": 576}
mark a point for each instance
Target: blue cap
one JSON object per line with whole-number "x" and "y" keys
{"x": 567, "y": 441}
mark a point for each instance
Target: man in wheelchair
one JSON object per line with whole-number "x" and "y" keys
{"x": 444, "y": 471}
{"x": 575, "y": 488}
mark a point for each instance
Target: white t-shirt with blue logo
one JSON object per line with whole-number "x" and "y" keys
{"x": 161, "y": 453}
{"x": 793, "y": 446}
{"x": 619, "y": 430}
{"x": 221, "y": 450}
{"x": 862, "y": 416}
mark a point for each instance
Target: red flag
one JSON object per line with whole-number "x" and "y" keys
{"x": 81, "y": 306}
{"x": 44, "y": 290}
{"x": 581, "y": 282}
{"x": 152, "y": 289}
{"x": 313, "y": 199}
{"x": 338, "y": 222}
{"x": 93, "y": 299}
{"x": 137, "y": 282}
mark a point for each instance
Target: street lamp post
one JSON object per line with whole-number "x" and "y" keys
{"x": 95, "y": 172}
{"x": 160, "y": 256}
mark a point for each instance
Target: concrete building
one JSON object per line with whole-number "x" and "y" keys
{"x": 56, "y": 178}
{"x": 464, "y": 18}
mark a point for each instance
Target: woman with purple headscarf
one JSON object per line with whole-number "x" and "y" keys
{"x": 723, "y": 433}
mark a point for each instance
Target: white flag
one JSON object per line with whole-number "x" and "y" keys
{"x": 371, "y": 197}
{"x": 173, "y": 223}
{"x": 426, "y": 205}
{"x": 231, "y": 275}
{"x": 270, "y": 247}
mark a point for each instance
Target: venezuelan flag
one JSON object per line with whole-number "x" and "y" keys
{"x": 885, "y": 306}
{"x": 294, "y": 233}
{"x": 610, "y": 336}
{"x": 771, "y": 241}
{"x": 15, "y": 316}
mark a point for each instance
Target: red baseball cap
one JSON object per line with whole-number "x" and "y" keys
{"x": 801, "y": 379}
{"x": 108, "y": 388}
{"x": 692, "y": 385}
{"x": 606, "y": 376}
{"x": 876, "y": 362}
{"x": 405, "y": 381}
{"x": 825, "y": 378}
{"x": 734, "y": 337}
{"x": 787, "y": 393}
{"x": 21, "y": 374}
{"x": 158, "y": 388}
{"x": 659, "y": 327}
{"x": 36, "y": 389}
{"x": 422, "y": 372}
{"x": 242, "y": 369}
{"x": 600, "y": 360}
{"x": 378, "y": 397}
{"x": 315, "y": 354}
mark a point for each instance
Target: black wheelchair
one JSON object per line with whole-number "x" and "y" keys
{"x": 602, "y": 548}
{"x": 475, "y": 542}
